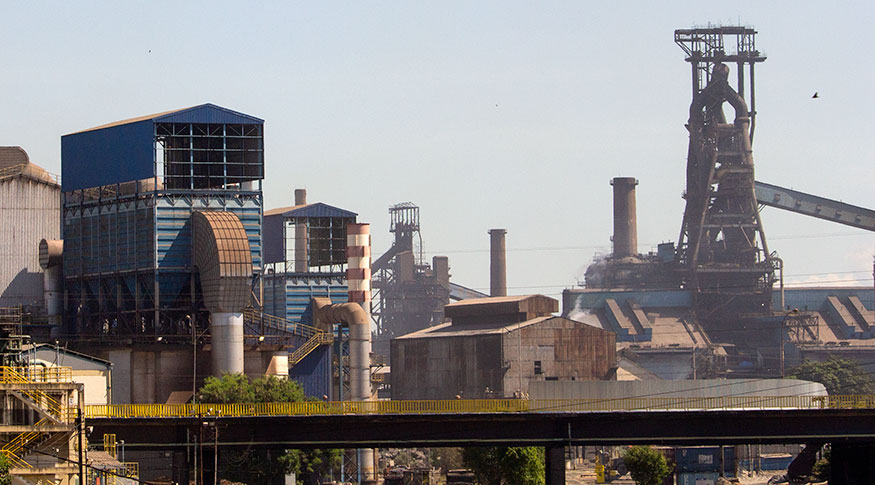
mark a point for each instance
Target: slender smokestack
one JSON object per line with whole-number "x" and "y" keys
{"x": 625, "y": 223}
{"x": 497, "y": 263}
{"x": 301, "y": 239}
{"x": 358, "y": 278}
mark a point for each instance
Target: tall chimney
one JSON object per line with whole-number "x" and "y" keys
{"x": 625, "y": 223}
{"x": 497, "y": 263}
{"x": 302, "y": 241}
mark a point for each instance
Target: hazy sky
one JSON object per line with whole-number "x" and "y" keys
{"x": 485, "y": 114}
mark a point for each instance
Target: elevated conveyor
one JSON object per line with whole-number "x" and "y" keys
{"x": 814, "y": 206}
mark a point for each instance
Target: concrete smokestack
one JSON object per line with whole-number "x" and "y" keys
{"x": 302, "y": 240}
{"x": 625, "y": 223}
{"x": 497, "y": 263}
{"x": 300, "y": 196}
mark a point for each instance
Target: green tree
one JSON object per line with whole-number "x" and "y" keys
{"x": 646, "y": 465}
{"x": 839, "y": 376}
{"x": 5, "y": 478}
{"x": 263, "y": 466}
{"x": 506, "y": 466}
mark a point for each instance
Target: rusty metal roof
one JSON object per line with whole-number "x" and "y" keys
{"x": 11, "y": 156}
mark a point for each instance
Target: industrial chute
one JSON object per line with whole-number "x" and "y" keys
{"x": 223, "y": 258}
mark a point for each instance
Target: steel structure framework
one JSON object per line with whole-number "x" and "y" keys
{"x": 128, "y": 263}
{"x": 722, "y": 249}
{"x": 402, "y": 305}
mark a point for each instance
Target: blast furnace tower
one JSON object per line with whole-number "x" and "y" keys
{"x": 722, "y": 245}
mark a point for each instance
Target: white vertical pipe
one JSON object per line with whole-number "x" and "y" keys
{"x": 227, "y": 343}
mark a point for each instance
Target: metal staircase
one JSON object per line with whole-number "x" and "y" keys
{"x": 313, "y": 337}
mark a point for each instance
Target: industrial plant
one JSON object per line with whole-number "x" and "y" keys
{"x": 152, "y": 263}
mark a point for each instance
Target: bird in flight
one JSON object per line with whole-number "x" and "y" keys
{"x": 815, "y": 96}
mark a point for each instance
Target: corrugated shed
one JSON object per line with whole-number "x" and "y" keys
{"x": 29, "y": 211}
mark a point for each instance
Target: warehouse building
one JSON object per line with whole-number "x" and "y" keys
{"x": 29, "y": 212}
{"x": 493, "y": 347}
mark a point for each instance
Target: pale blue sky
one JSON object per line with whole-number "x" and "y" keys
{"x": 487, "y": 114}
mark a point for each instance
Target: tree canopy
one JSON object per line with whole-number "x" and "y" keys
{"x": 506, "y": 466}
{"x": 237, "y": 388}
{"x": 646, "y": 465}
{"x": 839, "y": 376}
{"x": 261, "y": 466}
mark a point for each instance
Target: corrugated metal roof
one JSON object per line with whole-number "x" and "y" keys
{"x": 204, "y": 113}
{"x": 448, "y": 330}
{"x": 317, "y": 209}
{"x": 11, "y": 156}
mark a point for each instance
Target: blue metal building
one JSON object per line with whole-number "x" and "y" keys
{"x": 305, "y": 258}
{"x": 129, "y": 189}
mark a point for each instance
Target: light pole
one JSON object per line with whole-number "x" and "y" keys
{"x": 783, "y": 328}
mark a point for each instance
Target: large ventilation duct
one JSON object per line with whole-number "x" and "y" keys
{"x": 51, "y": 260}
{"x": 356, "y": 316}
{"x": 497, "y": 263}
{"x": 302, "y": 243}
{"x": 625, "y": 220}
{"x": 223, "y": 258}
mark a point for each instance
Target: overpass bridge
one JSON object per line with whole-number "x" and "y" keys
{"x": 842, "y": 420}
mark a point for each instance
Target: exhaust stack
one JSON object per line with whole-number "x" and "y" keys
{"x": 497, "y": 263}
{"x": 625, "y": 221}
{"x": 301, "y": 237}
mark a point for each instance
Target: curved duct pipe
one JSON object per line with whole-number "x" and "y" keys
{"x": 356, "y": 316}
{"x": 223, "y": 258}
{"x": 51, "y": 258}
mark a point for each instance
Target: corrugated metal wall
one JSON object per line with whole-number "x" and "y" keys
{"x": 29, "y": 211}
{"x": 288, "y": 295}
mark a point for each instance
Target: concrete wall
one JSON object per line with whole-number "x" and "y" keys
{"x": 142, "y": 376}
{"x": 29, "y": 211}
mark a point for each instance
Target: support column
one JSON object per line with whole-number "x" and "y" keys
{"x": 554, "y": 465}
{"x": 227, "y": 343}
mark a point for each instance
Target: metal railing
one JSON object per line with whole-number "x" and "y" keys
{"x": 314, "y": 336}
{"x": 470, "y": 406}
{"x": 35, "y": 373}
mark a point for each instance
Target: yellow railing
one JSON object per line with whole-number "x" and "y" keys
{"x": 466, "y": 406}
{"x": 35, "y": 373}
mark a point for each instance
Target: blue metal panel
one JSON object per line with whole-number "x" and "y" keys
{"x": 319, "y": 209}
{"x": 314, "y": 372}
{"x": 107, "y": 156}
{"x": 300, "y": 290}
{"x": 273, "y": 239}
{"x": 815, "y": 298}
{"x": 208, "y": 113}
